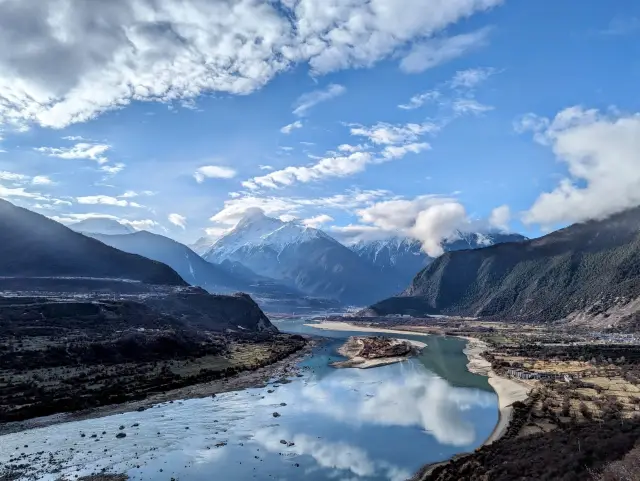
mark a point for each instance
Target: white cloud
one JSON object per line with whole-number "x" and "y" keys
{"x": 235, "y": 208}
{"x": 399, "y": 151}
{"x": 112, "y": 169}
{"x": 287, "y": 129}
{"x": 601, "y": 154}
{"x": 352, "y": 148}
{"x": 178, "y": 220}
{"x": 419, "y": 100}
{"x": 338, "y": 166}
{"x": 41, "y": 180}
{"x": 432, "y": 52}
{"x": 62, "y": 69}
{"x": 143, "y": 224}
{"x": 469, "y": 106}
{"x": 317, "y": 221}
{"x": 398, "y": 140}
{"x": 82, "y": 150}
{"x": 429, "y": 219}
{"x": 12, "y": 176}
{"x": 213, "y": 172}
{"x": 265, "y": 167}
{"x": 6, "y": 192}
{"x": 471, "y": 77}
{"x": 437, "y": 223}
{"x": 102, "y": 199}
{"x": 129, "y": 194}
{"x": 500, "y": 217}
{"x": 311, "y": 99}
{"x": 388, "y": 134}
{"x": 74, "y": 138}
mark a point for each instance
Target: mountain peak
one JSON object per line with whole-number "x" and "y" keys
{"x": 251, "y": 216}
{"x": 102, "y": 225}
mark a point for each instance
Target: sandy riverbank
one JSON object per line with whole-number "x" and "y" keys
{"x": 508, "y": 390}
{"x": 345, "y": 326}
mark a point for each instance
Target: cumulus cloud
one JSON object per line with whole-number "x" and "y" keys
{"x": 287, "y": 129}
{"x": 430, "y": 53}
{"x": 178, "y": 220}
{"x": 82, "y": 150}
{"x": 63, "y": 68}
{"x": 500, "y": 218}
{"x": 601, "y": 153}
{"x": 311, "y": 99}
{"x": 437, "y": 223}
{"x": 317, "y": 221}
{"x": 429, "y": 219}
{"x": 213, "y": 172}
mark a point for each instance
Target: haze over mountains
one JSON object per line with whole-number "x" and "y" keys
{"x": 586, "y": 273}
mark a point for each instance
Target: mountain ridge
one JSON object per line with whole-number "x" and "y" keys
{"x": 36, "y": 246}
{"x": 584, "y": 273}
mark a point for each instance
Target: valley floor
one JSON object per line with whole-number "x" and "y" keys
{"x": 46, "y": 380}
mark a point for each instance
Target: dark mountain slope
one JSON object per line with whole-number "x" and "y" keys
{"x": 586, "y": 272}
{"x": 191, "y": 267}
{"x": 32, "y": 245}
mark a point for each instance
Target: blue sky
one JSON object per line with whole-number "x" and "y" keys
{"x": 524, "y": 114}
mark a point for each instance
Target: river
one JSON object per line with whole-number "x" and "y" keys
{"x": 377, "y": 424}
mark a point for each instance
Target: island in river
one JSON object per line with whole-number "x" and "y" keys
{"x": 367, "y": 352}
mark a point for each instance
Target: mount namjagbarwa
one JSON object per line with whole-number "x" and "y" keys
{"x": 587, "y": 273}
{"x": 304, "y": 258}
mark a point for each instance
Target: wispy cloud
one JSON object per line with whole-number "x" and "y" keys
{"x": 81, "y": 150}
{"x": 311, "y": 99}
{"x": 178, "y": 220}
{"x": 432, "y": 52}
{"x": 287, "y": 129}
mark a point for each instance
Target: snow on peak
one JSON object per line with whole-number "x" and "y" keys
{"x": 256, "y": 230}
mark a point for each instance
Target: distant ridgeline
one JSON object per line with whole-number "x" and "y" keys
{"x": 588, "y": 273}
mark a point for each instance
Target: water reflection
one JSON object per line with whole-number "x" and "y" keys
{"x": 338, "y": 456}
{"x": 375, "y": 425}
{"x": 389, "y": 398}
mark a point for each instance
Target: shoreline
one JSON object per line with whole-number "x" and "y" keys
{"x": 507, "y": 390}
{"x": 345, "y": 326}
{"x": 244, "y": 380}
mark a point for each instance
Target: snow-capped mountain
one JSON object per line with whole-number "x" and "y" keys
{"x": 101, "y": 225}
{"x": 224, "y": 278}
{"x": 303, "y": 257}
{"x": 202, "y": 245}
{"x": 402, "y": 258}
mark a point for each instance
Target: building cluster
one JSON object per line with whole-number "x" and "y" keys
{"x": 539, "y": 376}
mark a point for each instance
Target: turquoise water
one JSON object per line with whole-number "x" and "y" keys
{"x": 336, "y": 424}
